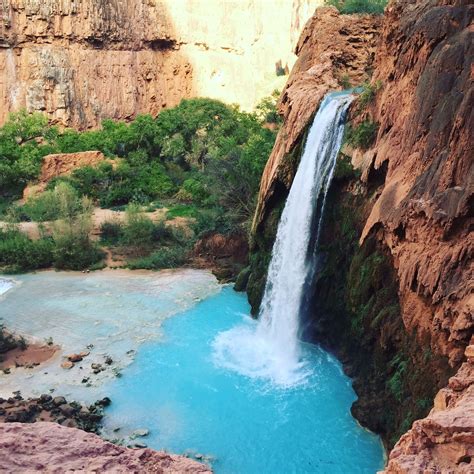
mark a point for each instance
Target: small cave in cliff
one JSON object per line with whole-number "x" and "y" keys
{"x": 376, "y": 176}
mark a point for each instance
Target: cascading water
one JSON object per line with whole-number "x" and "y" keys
{"x": 271, "y": 350}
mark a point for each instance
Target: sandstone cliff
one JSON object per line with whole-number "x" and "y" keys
{"x": 332, "y": 49}
{"x": 73, "y": 450}
{"x": 395, "y": 294}
{"x": 443, "y": 441}
{"x": 84, "y": 61}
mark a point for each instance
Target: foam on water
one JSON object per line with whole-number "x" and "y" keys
{"x": 5, "y": 285}
{"x": 247, "y": 425}
{"x": 272, "y": 349}
{"x": 175, "y": 386}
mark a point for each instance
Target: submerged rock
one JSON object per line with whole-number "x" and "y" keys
{"x": 141, "y": 433}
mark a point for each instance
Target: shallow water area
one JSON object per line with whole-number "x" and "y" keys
{"x": 108, "y": 313}
{"x": 177, "y": 384}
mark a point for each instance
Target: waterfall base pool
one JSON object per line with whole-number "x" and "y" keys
{"x": 176, "y": 388}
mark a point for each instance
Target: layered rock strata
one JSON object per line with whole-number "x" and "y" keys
{"x": 81, "y": 62}
{"x": 444, "y": 440}
{"x": 65, "y": 449}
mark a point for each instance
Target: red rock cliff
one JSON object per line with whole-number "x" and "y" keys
{"x": 422, "y": 164}
{"x": 425, "y": 210}
{"x": 82, "y": 61}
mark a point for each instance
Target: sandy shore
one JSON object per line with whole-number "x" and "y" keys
{"x": 33, "y": 355}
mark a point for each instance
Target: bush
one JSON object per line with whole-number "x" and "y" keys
{"x": 138, "y": 229}
{"x": 111, "y": 231}
{"x": 73, "y": 248}
{"x": 167, "y": 257}
{"x": 363, "y": 135}
{"x": 19, "y": 253}
{"x": 62, "y": 201}
{"x": 376, "y": 7}
{"x": 74, "y": 252}
{"x": 344, "y": 169}
{"x": 182, "y": 210}
{"x": 367, "y": 94}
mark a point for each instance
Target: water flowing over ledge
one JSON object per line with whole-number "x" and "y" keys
{"x": 272, "y": 349}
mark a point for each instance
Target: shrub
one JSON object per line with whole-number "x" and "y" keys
{"x": 363, "y": 135}
{"x": 367, "y": 95}
{"x": 73, "y": 248}
{"x": 138, "y": 229}
{"x": 266, "y": 109}
{"x": 344, "y": 169}
{"x": 111, "y": 231}
{"x": 167, "y": 257}
{"x": 192, "y": 190}
{"x": 19, "y": 253}
{"x": 376, "y": 7}
{"x": 74, "y": 252}
{"x": 62, "y": 201}
{"x": 182, "y": 210}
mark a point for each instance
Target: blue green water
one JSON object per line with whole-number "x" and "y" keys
{"x": 178, "y": 390}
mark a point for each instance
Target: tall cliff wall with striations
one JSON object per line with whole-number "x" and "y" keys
{"x": 82, "y": 61}
{"x": 332, "y": 49}
{"x": 395, "y": 292}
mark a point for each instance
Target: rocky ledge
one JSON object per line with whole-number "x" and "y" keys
{"x": 57, "y": 409}
{"x": 51, "y": 448}
{"x": 444, "y": 440}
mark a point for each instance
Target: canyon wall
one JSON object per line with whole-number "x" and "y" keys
{"x": 394, "y": 295}
{"x": 333, "y": 50}
{"x": 83, "y": 61}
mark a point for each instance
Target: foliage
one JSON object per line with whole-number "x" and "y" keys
{"x": 182, "y": 210}
{"x": 266, "y": 109}
{"x": 24, "y": 140}
{"x": 345, "y": 81}
{"x": 19, "y": 253}
{"x": 367, "y": 94}
{"x": 111, "y": 232}
{"x": 362, "y": 135}
{"x": 74, "y": 249}
{"x": 203, "y": 159}
{"x": 62, "y": 201}
{"x": 166, "y": 257}
{"x": 376, "y": 7}
{"x": 69, "y": 247}
{"x": 344, "y": 169}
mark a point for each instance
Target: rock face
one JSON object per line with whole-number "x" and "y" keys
{"x": 332, "y": 49}
{"x": 225, "y": 255}
{"x": 62, "y": 164}
{"x": 444, "y": 440}
{"x": 410, "y": 274}
{"x": 48, "y": 447}
{"x": 81, "y": 62}
{"x": 425, "y": 144}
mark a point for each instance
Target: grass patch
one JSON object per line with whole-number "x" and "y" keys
{"x": 349, "y": 7}
{"x": 363, "y": 135}
{"x": 166, "y": 257}
{"x": 183, "y": 210}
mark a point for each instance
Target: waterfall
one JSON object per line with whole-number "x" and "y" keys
{"x": 272, "y": 348}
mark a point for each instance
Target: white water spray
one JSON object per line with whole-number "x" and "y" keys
{"x": 271, "y": 349}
